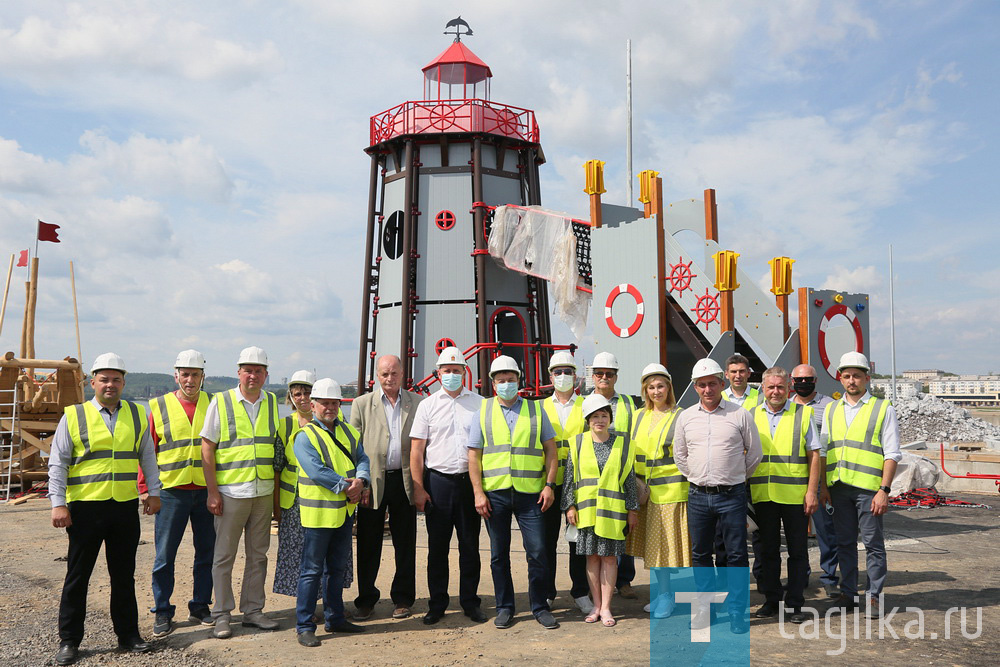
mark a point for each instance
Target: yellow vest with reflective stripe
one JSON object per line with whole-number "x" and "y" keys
{"x": 654, "y": 459}
{"x": 512, "y": 459}
{"x": 600, "y": 494}
{"x": 245, "y": 451}
{"x": 290, "y": 474}
{"x": 104, "y": 465}
{"x": 623, "y": 414}
{"x": 319, "y": 507}
{"x": 178, "y": 453}
{"x": 751, "y": 398}
{"x": 854, "y": 455}
{"x": 575, "y": 425}
{"x": 783, "y": 473}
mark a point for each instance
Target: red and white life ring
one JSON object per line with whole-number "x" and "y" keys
{"x": 639, "y": 308}
{"x": 859, "y": 336}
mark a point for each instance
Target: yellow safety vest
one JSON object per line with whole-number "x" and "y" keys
{"x": 290, "y": 474}
{"x": 654, "y": 459}
{"x": 104, "y": 465}
{"x": 600, "y": 494}
{"x": 854, "y": 455}
{"x": 783, "y": 473}
{"x": 245, "y": 451}
{"x": 752, "y": 398}
{"x": 512, "y": 459}
{"x": 319, "y": 507}
{"x": 178, "y": 453}
{"x": 575, "y": 425}
{"x": 623, "y": 415}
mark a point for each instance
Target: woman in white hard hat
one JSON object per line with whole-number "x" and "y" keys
{"x": 661, "y": 537}
{"x": 601, "y": 499}
{"x": 286, "y": 504}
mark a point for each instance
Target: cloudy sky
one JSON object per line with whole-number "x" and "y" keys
{"x": 205, "y": 160}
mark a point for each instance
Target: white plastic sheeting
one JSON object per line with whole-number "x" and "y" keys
{"x": 541, "y": 243}
{"x": 914, "y": 472}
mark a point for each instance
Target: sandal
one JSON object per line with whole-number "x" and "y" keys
{"x": 609, "y": 622}
{"x": 593, "y": 617}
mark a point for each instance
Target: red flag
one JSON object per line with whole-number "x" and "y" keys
{"x": 47, "y": 232}
{"x": 23, "y": 259}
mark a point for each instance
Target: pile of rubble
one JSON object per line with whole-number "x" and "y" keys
{"x": 930, "y": 418}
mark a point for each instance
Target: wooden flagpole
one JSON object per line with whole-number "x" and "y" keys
{"x": 6, "y": 289}
{"x": 76, "y": 314}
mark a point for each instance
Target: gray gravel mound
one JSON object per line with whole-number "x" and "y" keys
{"x": 926, "y": 417}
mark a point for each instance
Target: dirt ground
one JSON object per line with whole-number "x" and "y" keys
{"x": 938, "y": 559}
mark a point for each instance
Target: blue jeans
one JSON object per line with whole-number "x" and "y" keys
{"x": 853, "y": 512}
{"x": 826, "y": 538}
{"x": 177, "y": 508}
{"x": 729, "y": 510}
{"x": 330, "y": 547}
{"x": 525, "y": 508}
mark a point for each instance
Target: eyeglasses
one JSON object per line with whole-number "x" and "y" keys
{"x": 605, "y": 374}
{"x": 563, "y": 371}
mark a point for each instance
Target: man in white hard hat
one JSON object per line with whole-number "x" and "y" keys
{"x": 175, "y": 423}
{"x": 785, "y": 493}
{"x": 804, "y": 393}
{"x": 441, "y": 487}
{"x": 739, "y": 391}
{"x": 605, "y": 372}
{"x": 384, "y": 418}
{"x": 512, "y": 465}
{"x": 333, "y": 475}
{"x": 237, "y": 453}
{"x": 94, "y": 462}
{"x": 717, "y": 448}
{"x": 860, "y": 450}
{"x": 565, "y": 412}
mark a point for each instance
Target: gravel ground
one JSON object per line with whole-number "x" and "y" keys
{"x": 927, "y": 417}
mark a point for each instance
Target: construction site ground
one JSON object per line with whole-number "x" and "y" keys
{"x": 939, "y": 559}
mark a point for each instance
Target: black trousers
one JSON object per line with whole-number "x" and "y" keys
{"x": 115, "y": 525}
{"x": 771, "y": 517}
{"x": 577, "y": 563}
{"x": 371, "y": 534}
{"x": 452, "y": 507}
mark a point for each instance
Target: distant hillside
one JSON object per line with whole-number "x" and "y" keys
{"x": 149, "y": 385}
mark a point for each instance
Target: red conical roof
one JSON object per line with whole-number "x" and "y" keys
{"x": 455, "y": 54}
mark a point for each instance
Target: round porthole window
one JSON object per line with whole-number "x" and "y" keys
{"x": 392, "y": 235}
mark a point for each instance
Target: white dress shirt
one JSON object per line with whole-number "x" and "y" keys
{"x": 393, "y": 417}
{"x": 719, "y": 447}
{"x": 444, "y": 423}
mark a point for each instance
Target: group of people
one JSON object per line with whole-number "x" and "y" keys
{"x": 632, "y": 478}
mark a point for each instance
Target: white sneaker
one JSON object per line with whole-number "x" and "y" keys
{"x": 664, "y": 606}
{"x": 549, "y": 601}
{"x": 648, "y": 608}
{"x": 584, "y": 603}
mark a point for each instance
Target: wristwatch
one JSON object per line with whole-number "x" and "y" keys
{"x": 551, "y": 485}
{"x": 364, "y": 483}
{"x": 887, "y": 489}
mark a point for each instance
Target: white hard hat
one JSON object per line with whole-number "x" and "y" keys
{"x": 706, "y": 367}
{"x": 654, "y": 369}
{"x": 327, "y": 388}
{"x": 593, "y": 403}
{"x": 605, "y": 360}
{"x": 451, "y": 355}
{"x": 504, "y": 363}
{"x": 108, "y": 361}
{"x": 562, "y": 358}
{"x": 854, "y": 360}
{"x": 253, "y": 355}
{"x": 303, "y": 377}
{"x": 190, "y": 359}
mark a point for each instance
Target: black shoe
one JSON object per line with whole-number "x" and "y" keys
{"x": 162, "y": 626}
{"x": 547, "y": 620}
{"x": 344, "y": 626}
{"x": 308, "y": 639}
{"x": 738, "y": 624}
{"x": 68, "y": 653}
{"x": 203, "y": 616}
{"x": 476, "y": 614}
{"x": 134, "y": 645}
{"x": 362, "y": 613}
{"x": 845, "y": 601}
{"x": 797, "y": 617}
{"x": 432, "y": 617}
{"x": 767, "y": 610}
{"x": 504, "y": 619}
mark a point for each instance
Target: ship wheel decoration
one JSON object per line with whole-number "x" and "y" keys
{"x": 707, "y": 309}
{"x": 680, "y": 276}
{"x": 441, "y": 117}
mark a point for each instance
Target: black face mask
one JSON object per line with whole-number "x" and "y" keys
{"x": 804, "y": 387}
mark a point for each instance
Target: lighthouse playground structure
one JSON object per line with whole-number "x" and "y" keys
{"x": 459, "y": 252}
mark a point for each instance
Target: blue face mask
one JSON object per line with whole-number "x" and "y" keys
{"x": 451, "y": 381}
{"x": 506, "y": 390}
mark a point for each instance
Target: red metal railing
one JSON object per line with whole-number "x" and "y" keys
{"x": 971, "y": 475}
{"x": 441, "y": 116}
{"x": 532, "y": 372}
